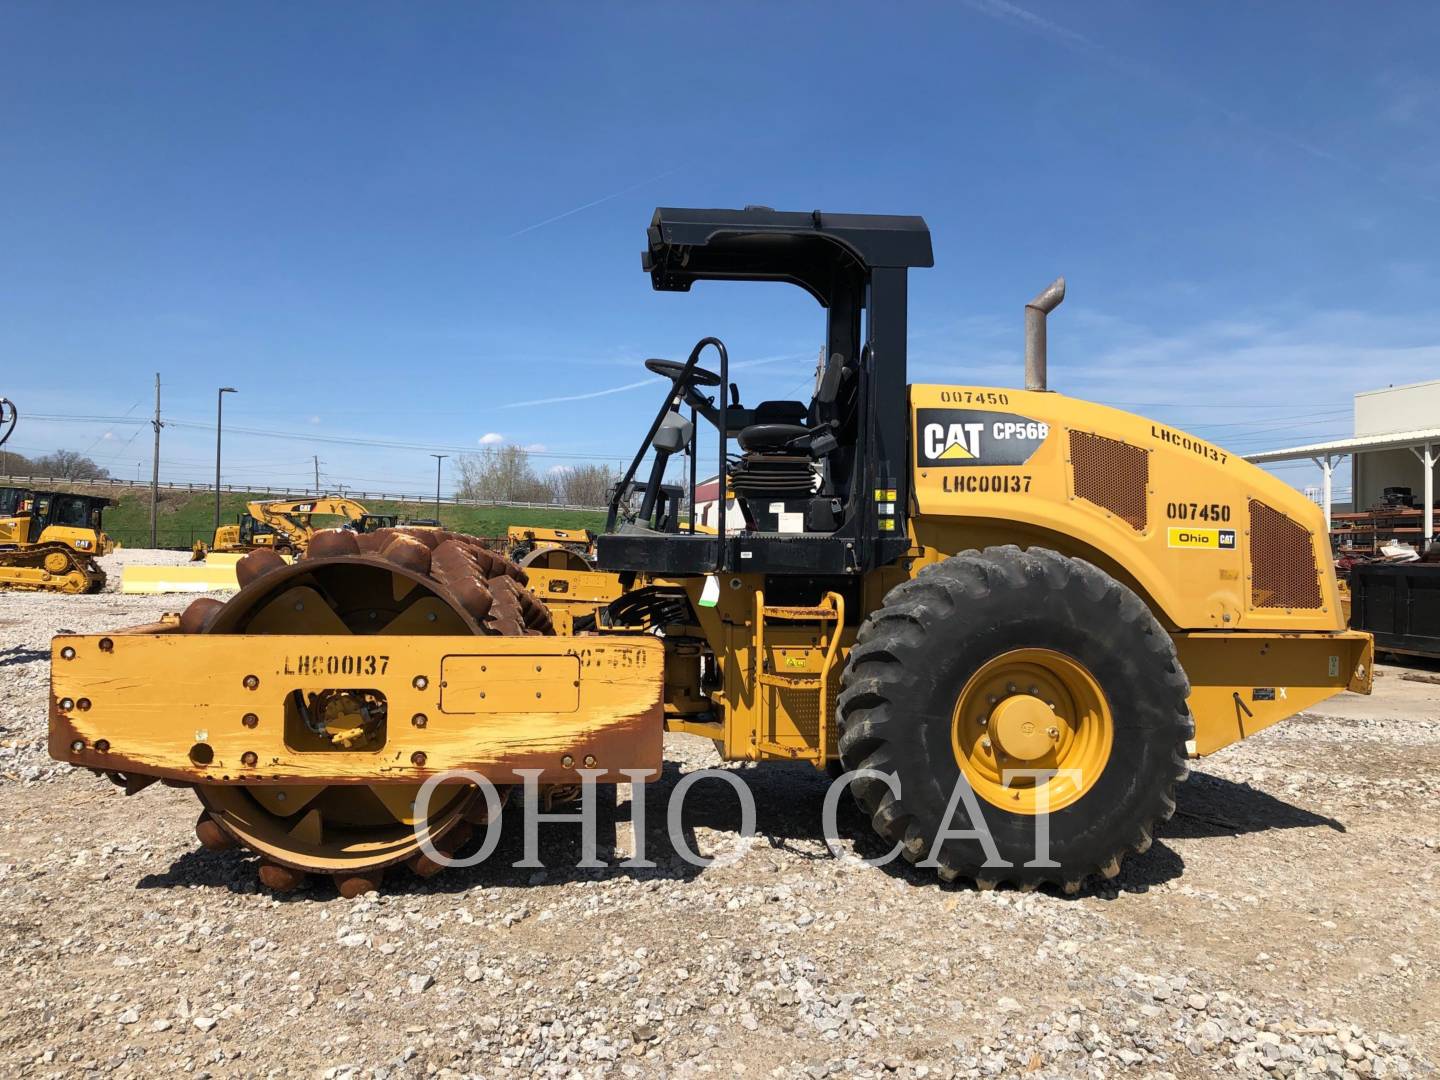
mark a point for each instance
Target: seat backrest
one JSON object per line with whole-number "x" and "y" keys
{"x": 780, "y": 412}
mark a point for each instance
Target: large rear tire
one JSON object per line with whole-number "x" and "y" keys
{"x": 1002, "y": 660}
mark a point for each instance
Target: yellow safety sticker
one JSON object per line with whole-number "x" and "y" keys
{"x": 885, "y": 495}
{"x": 1204, "y": 539}
{"x": 887, "y": 524}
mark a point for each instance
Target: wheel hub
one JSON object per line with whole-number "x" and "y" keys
{"x": 1022, "y": 726}
{"x": 1029, "y": 710}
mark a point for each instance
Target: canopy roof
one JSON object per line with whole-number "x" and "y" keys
{"x": 813, "y": 250}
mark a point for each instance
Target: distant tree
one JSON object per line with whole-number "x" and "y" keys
{"x": 501, "y": 474}
{"x": 585, "y": 485}
{"x": 13, "y": 464}
{"x": 68, "y": 465}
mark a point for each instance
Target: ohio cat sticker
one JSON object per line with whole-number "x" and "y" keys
{"x": 975, "y": 437}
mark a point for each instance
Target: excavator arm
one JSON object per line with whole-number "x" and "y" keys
{"x": 292, "y": 518}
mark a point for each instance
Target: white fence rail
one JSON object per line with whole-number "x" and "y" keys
{"x": 48, "y": 482}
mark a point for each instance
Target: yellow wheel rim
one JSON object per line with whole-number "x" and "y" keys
{"x": 1032, "y": 709}
{"x": 57, "y": 562}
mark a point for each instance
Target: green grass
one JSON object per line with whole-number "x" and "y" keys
{"x": 185, "y": 517}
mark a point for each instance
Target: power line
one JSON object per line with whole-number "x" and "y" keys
{"x": 341, "y": 440}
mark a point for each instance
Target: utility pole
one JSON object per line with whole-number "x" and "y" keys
{"x": 438, "y": 458}
{"x": 155, "y": 467}
{"x": 317, "y": 475}
{"x": 219, "y": 409}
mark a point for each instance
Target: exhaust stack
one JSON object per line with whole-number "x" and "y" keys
{"x": 1035, "y": 350}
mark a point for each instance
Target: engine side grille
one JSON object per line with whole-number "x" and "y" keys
{"x": 1283, "y": 573}
{"x": 1111, "y": 474}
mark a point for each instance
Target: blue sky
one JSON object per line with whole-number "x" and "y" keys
{"x": 419, "y": 224}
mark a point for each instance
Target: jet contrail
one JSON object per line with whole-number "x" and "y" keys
{"x": 580, "y": 397}
{"x": 587, "y": 206}
{"x": 1016, "y": 15}
{"x": 739, "y": 364}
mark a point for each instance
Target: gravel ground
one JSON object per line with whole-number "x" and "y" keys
{"x": 1283, "y": 924}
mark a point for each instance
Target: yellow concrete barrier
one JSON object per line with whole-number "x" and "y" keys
{"x": 194, "y": 577}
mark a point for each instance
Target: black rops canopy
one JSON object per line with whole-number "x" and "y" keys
{"x": 816, "y": 251}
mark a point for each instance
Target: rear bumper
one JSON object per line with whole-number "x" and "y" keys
{"x": 219, "y": 709}
{"x": 1241, "y": 683}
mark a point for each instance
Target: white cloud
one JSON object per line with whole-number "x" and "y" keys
{"x": 491, "y": 438}
{"x": 536, "y": 447}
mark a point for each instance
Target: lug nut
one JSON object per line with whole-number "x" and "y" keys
{"x": 66, "y": 704}
{"x": 984, "y": 721}
{"x": 567, "y": 761}
{"x": 83, "y": 704}
{"x": 251, "y": 682}
{"x": 1054, "y": 733}
{"x": 418, "y": 758}
{"x": 250, "y": 720}
{"x": 67, "y": 653}
{"x": 419, "y": 719}
{"x": 589, "y": 761}
{"x": 420, "y": 682}
{"x": 77, "y": 746}
{"x": 985, "y": 742}
{"x": 249, "y": 759}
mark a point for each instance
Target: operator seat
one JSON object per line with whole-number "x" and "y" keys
{"x": 772, "y": 425}
{"x": 782, "y": 447}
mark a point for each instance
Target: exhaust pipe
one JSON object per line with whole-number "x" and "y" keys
{"x": 1035, "y": 349}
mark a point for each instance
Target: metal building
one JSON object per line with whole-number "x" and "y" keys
{"x": 1396, "y": 445}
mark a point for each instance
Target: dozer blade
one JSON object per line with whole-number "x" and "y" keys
{"x": 246, "y": 709}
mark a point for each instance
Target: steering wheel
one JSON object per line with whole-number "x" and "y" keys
{"x": 672, "y": 370}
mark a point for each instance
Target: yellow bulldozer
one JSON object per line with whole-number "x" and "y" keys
{"x": 49, "y": 540}
{"x": 285, "y": 525}
{"x": 1011, "y": 616}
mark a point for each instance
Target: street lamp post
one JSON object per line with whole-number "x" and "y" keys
{"x": 219, "y": 411}
{"x": 438, "y": 458}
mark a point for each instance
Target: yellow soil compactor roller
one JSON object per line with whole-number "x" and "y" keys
{"x": 49, "y": 540}
{"x": 1044, "y": 604}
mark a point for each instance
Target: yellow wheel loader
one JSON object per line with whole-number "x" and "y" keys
{"x": 49, "y": 540}
{"x": 1010, "y": 616}
{"x": 245, "y": 535}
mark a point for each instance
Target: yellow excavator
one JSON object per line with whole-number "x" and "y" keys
{"x": 49, "y": 540}
{"x": 1012, "y": 617}
{"x": 284, "y": 525}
